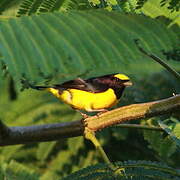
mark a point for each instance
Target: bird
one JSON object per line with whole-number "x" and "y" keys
{"x": 96, "y": 94}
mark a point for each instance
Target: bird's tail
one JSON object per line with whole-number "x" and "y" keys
{"x": 39, "y": 87}
{"x": 26, "y": 84}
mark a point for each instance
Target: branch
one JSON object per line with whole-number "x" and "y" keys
{"x": 51, "y": 132}
{"x": 40, "y": 133}
{"x": 134, "y": 112}
{"x": 157, "y": 59}
{"x": 4, "y": 131}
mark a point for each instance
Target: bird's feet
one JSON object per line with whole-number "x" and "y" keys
{"x": 102, "y": 111}
{"x": 83, "y": 115}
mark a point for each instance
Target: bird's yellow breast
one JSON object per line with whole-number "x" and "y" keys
{"x": 88, "y": 101}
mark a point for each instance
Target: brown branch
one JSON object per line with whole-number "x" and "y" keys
{"x": 134, "y": 112}
{"x": 51, "y": 132}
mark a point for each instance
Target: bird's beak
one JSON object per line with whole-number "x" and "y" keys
{"x": 128, "y": 83}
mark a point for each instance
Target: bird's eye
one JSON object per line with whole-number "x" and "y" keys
{"x": 117, "y": 80}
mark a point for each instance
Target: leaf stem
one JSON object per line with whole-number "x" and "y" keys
{"x": 90, "y": 135}
{"x": 157, "y": 59}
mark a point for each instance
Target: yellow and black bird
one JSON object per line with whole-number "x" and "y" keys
{"x": 92, "y": 95}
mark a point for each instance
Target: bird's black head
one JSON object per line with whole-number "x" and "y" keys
{"x": 117, "y": 82}
{"x": 114, "y": 81}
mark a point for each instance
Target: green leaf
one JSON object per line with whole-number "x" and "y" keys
{"x": 133, "y": 170}
{"x": 62, "y": 46}
{"x": 10, "y": 152}
{"x": 164, "y": 146}
{"x": 15, "y": 170}
{"x": 30, "y": 110}
{"x": 74, "y": 144}
{"x": 154, "y": 9}
{"x": 44, "y": 149}
{"x": 67, "y": 157}
{"x": 173, "y": 5}
{"x": 174, "y": 132}
{"x": 9, "y": 7}
{"x": 49, "y": 175}
{"x": 29, "y": 7}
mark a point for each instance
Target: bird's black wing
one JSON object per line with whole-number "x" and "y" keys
{"x": 98, "y": 84}
{"x": 95, "y": 85}
{"x": 75, "y": 84}
{"x": 90, "y": 85}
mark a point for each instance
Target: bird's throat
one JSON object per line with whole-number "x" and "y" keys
{"x": 119, "y": 91}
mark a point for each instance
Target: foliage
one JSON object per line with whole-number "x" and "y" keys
{"x": 172, "y": 130}
{"x": 140, "y": 3}
{"x": 29, "y": 7}
{"x": 164, "y": 146}
{"x": 56, "y": 46}
{"x": 61, "y": 36}
{"x": 9, "y": 7}
{"x": 154, "y": 9}
{"x": 15, "y": 170}
{"x": 134, "y": 170}
{"x": 173, "y": 5}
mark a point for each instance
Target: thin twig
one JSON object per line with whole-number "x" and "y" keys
{"x": 157, "y": 59}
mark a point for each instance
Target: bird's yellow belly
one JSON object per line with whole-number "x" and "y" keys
{"x": 88, "y": 101}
